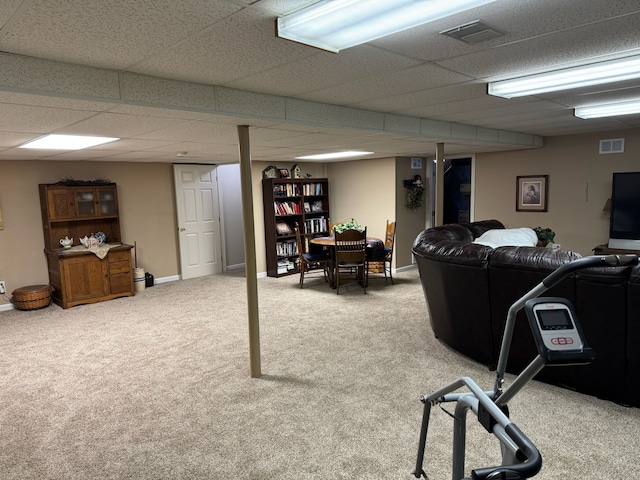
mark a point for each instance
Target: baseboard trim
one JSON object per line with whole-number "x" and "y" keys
{"x": 406, "y": 268}
{"x": 5, "y": 307}
{"x": 171, "y": 278}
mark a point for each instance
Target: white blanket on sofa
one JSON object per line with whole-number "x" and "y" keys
{"x": 508, "y": 237}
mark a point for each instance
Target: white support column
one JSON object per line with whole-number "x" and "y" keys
{"x": 249, "y": 250}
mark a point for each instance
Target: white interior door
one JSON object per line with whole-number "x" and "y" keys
{"x": 198, "y": 213}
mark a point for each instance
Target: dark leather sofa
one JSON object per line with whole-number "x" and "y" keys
{"x": 470, "y": 287}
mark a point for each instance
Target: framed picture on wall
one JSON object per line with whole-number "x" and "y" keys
{"x": 532, "y": 192}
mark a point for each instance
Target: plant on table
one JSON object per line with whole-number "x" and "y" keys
{"x": 545, "y": 236}
{"x": 350, "y": 225}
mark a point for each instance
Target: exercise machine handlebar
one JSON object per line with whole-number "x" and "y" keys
{"x": 531, "y": 460}
{"x": 588, "y": 262}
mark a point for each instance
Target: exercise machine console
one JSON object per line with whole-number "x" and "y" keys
{"x": 557, "y": 333}
{"x": 559, "y": 340}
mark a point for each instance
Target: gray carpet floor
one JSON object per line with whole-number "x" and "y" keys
{"x": 157, "y": 386}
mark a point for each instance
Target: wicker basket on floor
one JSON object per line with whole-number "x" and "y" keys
{"x": 31, "y": 297}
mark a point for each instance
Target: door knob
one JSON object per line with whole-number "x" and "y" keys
{"x": 181, "y": 229}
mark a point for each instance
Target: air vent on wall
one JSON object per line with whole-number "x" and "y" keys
{"x": 474, "y": 32}
{"x": 612, "y": 145}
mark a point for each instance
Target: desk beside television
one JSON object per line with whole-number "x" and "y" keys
{"x": 605, "y": 250}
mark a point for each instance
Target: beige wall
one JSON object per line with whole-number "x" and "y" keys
{"x": 231, "y": 210}
{"x": 409, "y": 223}
{"x": 579, "y": 185}
{"x": 364, "y": 190}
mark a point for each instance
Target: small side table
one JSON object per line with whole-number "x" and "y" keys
{"x": 605, "y": 250}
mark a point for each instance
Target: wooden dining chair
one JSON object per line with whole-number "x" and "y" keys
{"x": 310, "y": 262}
{"x": 389, "y": 239}
{"x": 385, "y": 256}
{"x": 350, "y": 256}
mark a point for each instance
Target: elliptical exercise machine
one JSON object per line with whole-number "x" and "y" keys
{"x": 559, "y": 340}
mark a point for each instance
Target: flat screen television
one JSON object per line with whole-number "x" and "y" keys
{"x": 624, "y": 227}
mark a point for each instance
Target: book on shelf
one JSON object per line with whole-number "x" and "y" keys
{"x": 312, "y": 189}
{"x": 286, "y": 265}
{"x": 287, "y": 248}
{"x": 286, "y": 208}
{"x": 315, "y": 225}
{"x": 286, "y": 190}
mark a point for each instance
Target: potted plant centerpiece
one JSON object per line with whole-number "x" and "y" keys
{"x": 349, "y": 225}
{"x": 545, "y": 236}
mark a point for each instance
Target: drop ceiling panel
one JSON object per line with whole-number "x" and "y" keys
{"x": 408, "y": 80}
{"x": 301, "y": 76}
{"x": 51, "y": 101}
{"x": 609, "y": 95}
{"x": 425, "y": 97}
{"x": 520, "y": 20}
{"x": 550, "y": 51}
{"x": 10, "y": 140}
{"x": 542, "y": 121}
{"x": 120, "y": 125}
{"x": 111, "y": 34}
{"x": 135, "y": 145}
{"x": 25, "y": 118}
{"x": 196, "y": 131}
{"x": 242, "y": 45}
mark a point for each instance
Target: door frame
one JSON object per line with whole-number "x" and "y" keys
{"x": 219, "y": 237}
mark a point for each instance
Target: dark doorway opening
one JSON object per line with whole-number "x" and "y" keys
{"x": 457, "y": 191}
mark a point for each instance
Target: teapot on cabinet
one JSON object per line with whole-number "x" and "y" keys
{"x": 66, "y": 242}
{"x": 90, "y": 242}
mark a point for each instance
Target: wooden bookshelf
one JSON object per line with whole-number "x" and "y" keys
{"x": 288, "y": 201}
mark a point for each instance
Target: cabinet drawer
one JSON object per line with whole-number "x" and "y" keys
{"x": 119, "y": 262}
{"x": 121, "y": 283}
{"x": 119, "y": 267}
{"x": 115, "y": 257}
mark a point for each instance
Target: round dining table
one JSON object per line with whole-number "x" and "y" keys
{"x": 373, "y": 245}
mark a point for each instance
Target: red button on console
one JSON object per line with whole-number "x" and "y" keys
{"x": 562, "y": 340}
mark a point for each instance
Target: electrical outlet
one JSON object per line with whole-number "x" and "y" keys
{"x": 3, "y": 287}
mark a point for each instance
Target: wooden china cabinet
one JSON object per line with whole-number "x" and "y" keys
{"x": 77, "y": 274}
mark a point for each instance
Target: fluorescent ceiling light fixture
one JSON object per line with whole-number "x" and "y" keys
{"x": 334, "y": 25}
{"x": 333, "y": 156}
{"x": 67, "y": 142}
{"x": 608, "y": 109}
{"x": 573, "y": 77}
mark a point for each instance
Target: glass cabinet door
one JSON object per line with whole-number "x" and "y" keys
{"x": 107, "y": 200}
{"x": 85, "y": 200}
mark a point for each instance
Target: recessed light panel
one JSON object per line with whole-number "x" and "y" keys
{"x": 67, "y": 142}
{"x": 334, "y": 155}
